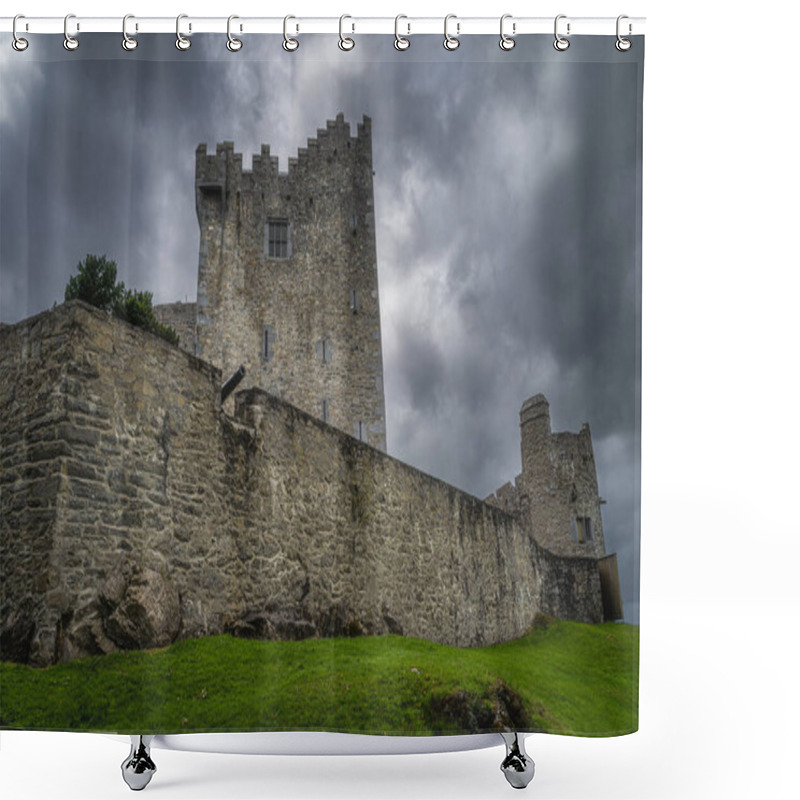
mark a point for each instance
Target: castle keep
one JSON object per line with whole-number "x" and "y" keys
{"x": 287, "y": 281}
{"x": 137, "y": 508}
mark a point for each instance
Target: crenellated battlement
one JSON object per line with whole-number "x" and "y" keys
{"x": 264, "y": 163}
{"x": 334, "y": 141}
{"x": 507, "y": 497}
{"x": 225, "y": 170}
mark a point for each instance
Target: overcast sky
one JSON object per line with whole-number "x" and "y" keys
{"x": 506, "y": 215}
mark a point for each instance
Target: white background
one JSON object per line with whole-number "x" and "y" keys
{"x": 720, "y": 530}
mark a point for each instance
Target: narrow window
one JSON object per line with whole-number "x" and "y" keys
{"x": 267, "y": 343}
{"x": 324, "y": 350}
{"x": 325, "y": 410}
{"x": 355, "y": 301}
{"x": 360, "y": 431}
{"x": 277, "y": 238}
{"x": 582, "y": 530}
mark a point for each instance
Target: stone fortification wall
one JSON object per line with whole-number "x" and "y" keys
{"x": 34, "y": 408}
{"x": 305, "y": 323}
{"x": 135, "y": 511}
{"x": 182, "y": 317}
{"x": 101, "y": 445}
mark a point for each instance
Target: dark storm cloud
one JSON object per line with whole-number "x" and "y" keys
{"x": 506, "y": 192}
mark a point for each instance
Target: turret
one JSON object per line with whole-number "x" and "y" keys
{"x": 558, "y": 485}
{"x": 534, "y": 423}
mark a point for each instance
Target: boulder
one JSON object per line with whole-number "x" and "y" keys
{"x": 141, "y": 608}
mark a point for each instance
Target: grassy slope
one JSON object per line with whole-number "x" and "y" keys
{"x": 571, "y": 678}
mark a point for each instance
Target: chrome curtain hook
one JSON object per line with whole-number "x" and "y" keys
{"x": 128, "y": 42}
{"x": 507, "y": 42}
{"x": 345, "y": 42}
{"x": 622, "y": 44}
{"x": 400, "y": 42}
{"x": 289, "y": 44}
{"x": 18, "y": 43}
{"x": 451, "y": 42}
{"x": 561, "y": 43}
{"x": 233, "y": 44}
{"x": 181, "y": 42}
{"x": 70, "y": 42}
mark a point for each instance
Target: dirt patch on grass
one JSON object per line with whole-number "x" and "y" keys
{"x": 542, "y": 621}
{"x": 499, "y": 708}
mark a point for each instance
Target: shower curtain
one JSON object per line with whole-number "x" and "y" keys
{"x": 320, "y": 385}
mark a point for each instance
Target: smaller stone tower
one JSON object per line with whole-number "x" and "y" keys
{"x": 556, "y": 497}
{"x": 558, "y": 485}
{"x": 287, "y": 279}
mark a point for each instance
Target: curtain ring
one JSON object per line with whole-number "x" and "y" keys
{"x": 182, "y": 43}
{"x": 622, "y": 44}
{"x": 289, "y": 44}
{"x": 451, "y": 42}
{"x": 233, "y": 44}
{"x": 507, "y": 42}
{"x": 345, "y": 42}
{"x": 128, "y": 42}
{"x": 560, "y": 44}
{"x": 400, "y": 42}
{"x": 70, "y": 42}
{"x": 18, "y": 43}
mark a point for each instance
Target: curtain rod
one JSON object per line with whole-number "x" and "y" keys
{"x": 407, "y": 26}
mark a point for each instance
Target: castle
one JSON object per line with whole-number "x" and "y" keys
{"x": 139, "y": 507}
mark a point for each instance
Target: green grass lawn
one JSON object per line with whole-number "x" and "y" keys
{"x": 563, "y": 677}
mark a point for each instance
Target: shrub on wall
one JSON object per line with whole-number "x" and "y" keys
{"x": 96, "y": 283}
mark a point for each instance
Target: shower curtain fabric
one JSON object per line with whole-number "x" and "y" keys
{"x": 320, "y": 386}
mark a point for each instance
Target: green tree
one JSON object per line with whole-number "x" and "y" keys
{"x": 137, "y": 308}
{"x": 96, "y": 283}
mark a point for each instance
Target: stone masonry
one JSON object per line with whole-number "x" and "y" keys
{"x": 134, "y": 510}
{"x": 182, "y": 317}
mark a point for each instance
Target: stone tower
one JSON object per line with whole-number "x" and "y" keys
{"x": 556, "y": 497}
{"x": 287, "y": 278}
{"x": 558, "y": 485}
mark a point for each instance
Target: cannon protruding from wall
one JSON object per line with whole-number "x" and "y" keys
{"x": 232, "y": 382}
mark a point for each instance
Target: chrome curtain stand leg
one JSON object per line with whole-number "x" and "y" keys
{"x": 138, "y": 768}
{"x": 517, "y": 766}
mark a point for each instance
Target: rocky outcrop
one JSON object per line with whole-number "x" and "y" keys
{"x": 141, "y": 608}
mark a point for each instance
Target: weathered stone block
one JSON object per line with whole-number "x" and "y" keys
{"x": 142, "y": 608}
